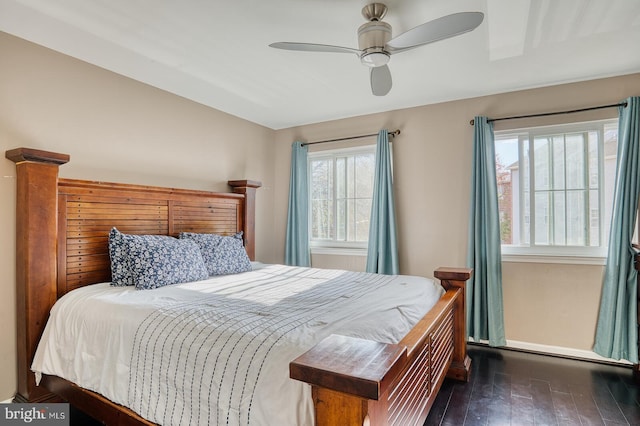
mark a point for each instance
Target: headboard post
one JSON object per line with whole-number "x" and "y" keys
{"x": 248, "y": 188}
{"x": 36, "y": 264}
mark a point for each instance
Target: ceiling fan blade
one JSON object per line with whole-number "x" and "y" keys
{"x": 311, "y": 47}
{"x": 438, "y": 29}
{"x": 380, "y": 80}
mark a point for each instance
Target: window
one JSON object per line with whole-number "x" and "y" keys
{"x": 555, "y": 188}
{"x": 341, "y": 189}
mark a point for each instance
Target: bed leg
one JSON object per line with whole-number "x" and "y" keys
{"x": 456, "y": 278}
{"x": 334, "y": 408}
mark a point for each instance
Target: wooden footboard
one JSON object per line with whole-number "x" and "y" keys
{"x": 358, "y": 382}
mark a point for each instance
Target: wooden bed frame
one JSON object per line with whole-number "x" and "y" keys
{"x": 62, "y": 228}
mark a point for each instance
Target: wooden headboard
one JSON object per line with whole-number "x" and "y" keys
{"x": 62, "y": 228}
{"x": 88, "y": 210}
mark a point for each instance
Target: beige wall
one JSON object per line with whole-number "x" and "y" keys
{"x": 545, "y": 304}
{"x": 115, "y": 129}
{"x": 336, "y": 261}
{"x": 554, "y": 305}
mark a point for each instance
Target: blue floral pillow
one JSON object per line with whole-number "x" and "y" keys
{"x": 123, "y": 249}
{"x": 222, "y": 255}
{"x": 160, "y": 262}
{"x": 119, "y": 254}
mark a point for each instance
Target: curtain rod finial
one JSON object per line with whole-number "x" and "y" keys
{"x": 471, "y": 122}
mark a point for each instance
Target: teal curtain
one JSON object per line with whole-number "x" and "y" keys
{"x": 617, "y": 332}
{"x": 485, "y": 318}
{"x": 382, "y": 252}
{"x": 296, "y": 251}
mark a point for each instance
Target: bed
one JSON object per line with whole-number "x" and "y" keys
{"x": 62, "y": 228}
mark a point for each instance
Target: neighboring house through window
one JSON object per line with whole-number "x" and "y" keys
{"x": 341, "y": 189}
{"x": 555, "y": 189}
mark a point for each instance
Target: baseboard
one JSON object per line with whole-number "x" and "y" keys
{"x": 561, "y": 351}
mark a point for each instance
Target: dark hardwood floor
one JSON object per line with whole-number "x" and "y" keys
{"x": 78, "y": 418}
{"x": 516, "y": 388}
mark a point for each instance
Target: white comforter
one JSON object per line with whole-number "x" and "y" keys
{"x": 217, "y": 351}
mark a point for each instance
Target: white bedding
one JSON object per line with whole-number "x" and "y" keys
{"x": 217, "y": 351}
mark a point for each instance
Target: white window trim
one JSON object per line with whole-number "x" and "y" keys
{"x": 331, "y": 247}
{"x": 339, "y": 251}
{"x": 577, "y": 255}
{"x": 553, "y": 254}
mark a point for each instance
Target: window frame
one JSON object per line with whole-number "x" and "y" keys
{"x": 334, "y": 246}
{"x": 594, "y": 255}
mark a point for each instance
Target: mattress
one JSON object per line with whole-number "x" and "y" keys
{"x": 217, "y": 351}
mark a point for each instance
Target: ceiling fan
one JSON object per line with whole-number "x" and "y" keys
{"x": 376, "y": 45}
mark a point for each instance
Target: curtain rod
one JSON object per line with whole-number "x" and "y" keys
{"x": 394, "y": 133}
{"x": 544, "y": 114}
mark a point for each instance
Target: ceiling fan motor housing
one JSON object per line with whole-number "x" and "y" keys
{"x": 372, "y": 38}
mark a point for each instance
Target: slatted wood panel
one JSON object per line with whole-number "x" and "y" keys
{"x": 407, "y": 403}
{"x": 206, "y": 217}
{"x": 88, "y": 220}
{"x": 87, "y": 211}
{"x": 441, "y": 350}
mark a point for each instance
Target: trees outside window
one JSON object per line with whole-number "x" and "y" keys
{"x": 341, "y": 189}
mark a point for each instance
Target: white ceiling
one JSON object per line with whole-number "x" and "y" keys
{"x": 216, "y": 52}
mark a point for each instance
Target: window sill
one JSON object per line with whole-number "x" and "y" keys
{"x": 339, "y": 251}
{"x": 568, "y": 255}
{"x": 546, "y": 258}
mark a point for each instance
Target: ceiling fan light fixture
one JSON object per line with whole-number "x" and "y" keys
{"x": 374, "y": 59}
{"x": 372, "y": 37}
